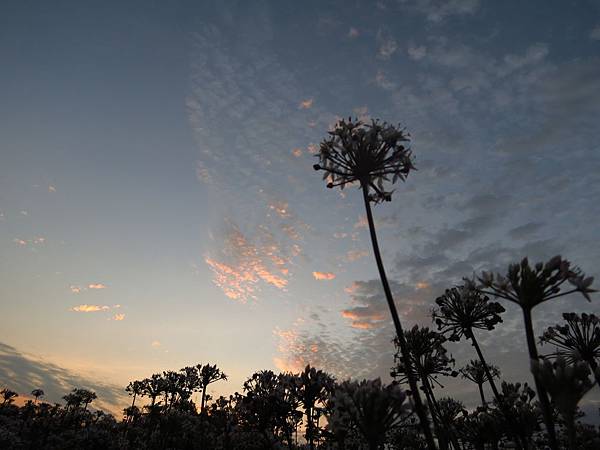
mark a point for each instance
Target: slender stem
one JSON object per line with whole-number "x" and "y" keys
{"x": 542, "y": 394}
{"x": 486, "y": 368}
{"x": 490, "y": 378}
{"x": 423, "y": 420}
{"x": 483, "y": 402}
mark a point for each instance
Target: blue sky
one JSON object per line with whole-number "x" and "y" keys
{"x": 158, "y": 206}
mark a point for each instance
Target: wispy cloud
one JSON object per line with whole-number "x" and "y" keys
{"x": 243, "y": 265}
{"x": 306, "y": 104}
{"x": 436, "y": 11}
{"x": 90, "y": 308}
{"x": 387, "y": 44}
{"x": 96, "y": 286}
{"x": 323, "y": 275}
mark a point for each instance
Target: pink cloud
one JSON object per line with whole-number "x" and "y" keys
{"x": 323, "y": 275}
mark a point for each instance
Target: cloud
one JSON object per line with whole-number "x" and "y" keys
{"x": 353, "y": 33}
{"x": 387, "y": 44}
{"x": 96, "y": 286}
{"x": 524, "y": 231}
{"x": 595, "y": 33}
{"x": 533, "y": 55}
{"x": 306, "y": 104}
{"x": 90, "y": 308}
{"x": 297, "y": 152}
{"x": 355, "y": 255}
{"x": 281, "y": 208}
{"x": 51, "y": 188}
{"x": 243, "y": 266}
{"x": 323, "y": 275}
{"x": 155, "y": 344}
{"x": 75, "y": 289}
{"x": 23, "y": 373}
{"x": 436, "y": 11}
{"x": 118, "y": 317}
{"x": 383, "y": 81}
{"x": 417, "y": 52}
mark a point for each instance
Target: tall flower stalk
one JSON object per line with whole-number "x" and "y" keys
{"x": 461, "y": 310}
{"x": 528, "y": 287}
{"x": 372, "y": 156}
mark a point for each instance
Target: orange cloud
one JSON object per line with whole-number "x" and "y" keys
{"x": 155, "y": 344}
{"x": 297, "y": 152}
{"x": 75, "y": 289}
{"x": 96, "y": 286}
{"x": 90, "y": 308}
{"x": 243, "y": 265}
{"x": 21, "y": 241}
{"x": 422, "y": 285}
{"x": 119, "y": 317}
{"x": 323, "y": 275}
{"x": 281, "y": 208}
{"x": 306, "y": 104}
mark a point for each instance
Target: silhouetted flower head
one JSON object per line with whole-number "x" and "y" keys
{"x": 578, "y": 340}
{"x": 518, "y": 402}
{"x": 475, "y": 371}
{"x": 429, "y": 357}
{"x": 462, "y": 309}
{"x": 372, "y": 154}
{"x": 566, "y": 383}
{"x": 370, "y": 406}
{"x": 529, "y": 286}
{"x": 449, "y": 410}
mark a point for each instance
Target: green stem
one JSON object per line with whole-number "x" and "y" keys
{"x": 420, "y": 410}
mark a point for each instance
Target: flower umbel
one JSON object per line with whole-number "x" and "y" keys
{"x": 578, "y": 340}
{"x": 529, "y": 286}
{"x": 462, "y": 309}
{"x": 372, "y": 154}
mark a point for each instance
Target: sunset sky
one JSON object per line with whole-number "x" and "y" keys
{"x": 158, "y": 206}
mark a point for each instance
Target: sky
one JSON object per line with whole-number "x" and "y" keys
{"x": 158, "y": 206}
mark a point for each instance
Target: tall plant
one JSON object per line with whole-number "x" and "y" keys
{"x": 462, "y": 310}
{"x": 373, "y": 156}
{"x": 528, "y": 287}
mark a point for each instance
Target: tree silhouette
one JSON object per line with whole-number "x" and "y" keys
{"x": 373, "y": 155}
{"x": 528, "y": 287}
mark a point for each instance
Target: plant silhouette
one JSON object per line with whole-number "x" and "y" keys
{"x": 373, "y": 156}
